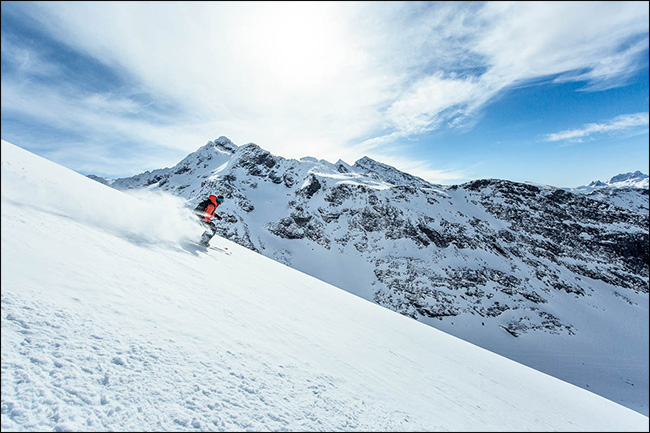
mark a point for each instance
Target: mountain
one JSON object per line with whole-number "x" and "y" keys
{"x": 634, "y": 180}
{"x": 527, "y": 271}
{"x": 626, "y": 190}
{"x": 123, "y": 324}
{"x": 623, "y": 180}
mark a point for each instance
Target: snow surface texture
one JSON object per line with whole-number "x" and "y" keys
{"x": 110, "y": 323}
{"x": 555, "y": 280}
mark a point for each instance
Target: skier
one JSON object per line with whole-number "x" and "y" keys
{"x": 206, "y": 210}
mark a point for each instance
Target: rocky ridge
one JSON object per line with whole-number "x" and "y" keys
{"x": 492, "y": 249}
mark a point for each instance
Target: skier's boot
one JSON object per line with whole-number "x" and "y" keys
{"x": 205, "y": 240}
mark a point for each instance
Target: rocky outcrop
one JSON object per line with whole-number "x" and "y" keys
{"x": 498, "y": 252}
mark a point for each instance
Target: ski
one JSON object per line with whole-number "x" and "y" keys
{"x": 221, "y": 250}
{"x": 212, "y": 247}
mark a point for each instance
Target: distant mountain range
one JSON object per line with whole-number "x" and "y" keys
{"x": 627, "y": 190}
{"x": 491, "y": 261}
{"x": 624, "y": 180}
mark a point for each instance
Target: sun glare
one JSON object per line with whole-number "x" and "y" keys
{"x": 298, "y": 45}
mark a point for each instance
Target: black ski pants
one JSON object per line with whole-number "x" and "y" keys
{"x": 210, "y": 230}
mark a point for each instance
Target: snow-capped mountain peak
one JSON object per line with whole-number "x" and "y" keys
{"x": 596, "y": 184}
{"x": 634, "y": 180}
{"x": 389, "y": 174}
{"x": 626, "y": 190}
{"x": 491, "y": 261}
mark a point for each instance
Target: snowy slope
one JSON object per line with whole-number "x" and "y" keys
{"x": 549, "y": 278}
{"x": 113, "y": 320}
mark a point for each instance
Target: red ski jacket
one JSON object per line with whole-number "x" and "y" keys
{"x": 210, "y": 210}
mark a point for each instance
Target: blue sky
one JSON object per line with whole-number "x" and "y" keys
{"x": 548, "y": 92}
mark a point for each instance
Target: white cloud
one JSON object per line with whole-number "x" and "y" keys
{"x": 327, "y": 79}
{"x": 623, "y": 123}
{"x": 505, "y": 44}
{"x": 95, "y": 115}
{"x": 585, "y": 41}
{"x": 434, "y": 100}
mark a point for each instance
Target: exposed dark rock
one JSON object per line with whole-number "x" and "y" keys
{"x": 481, "y": 248}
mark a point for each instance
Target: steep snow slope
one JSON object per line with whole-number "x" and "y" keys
{"x": 121, "y": 323}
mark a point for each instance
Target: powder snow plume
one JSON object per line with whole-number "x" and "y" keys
{"x": 143, "y": 216}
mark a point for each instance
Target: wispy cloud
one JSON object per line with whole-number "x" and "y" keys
{"x": 327, "y": 79}
{"x": 510, "y": 43}
{"x": 623, "y": 123}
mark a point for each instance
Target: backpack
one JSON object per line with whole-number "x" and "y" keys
{"x": 200, "y": 208}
